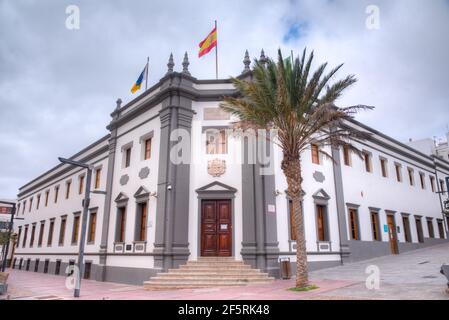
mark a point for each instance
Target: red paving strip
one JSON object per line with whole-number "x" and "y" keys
{"x": 38, "y": 286}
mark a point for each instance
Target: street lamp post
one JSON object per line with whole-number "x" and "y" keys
{"x": 13, "y": 212}
{"x": 83, "y": 221}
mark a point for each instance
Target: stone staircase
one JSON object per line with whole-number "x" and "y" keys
{"x": 208, "y": 272}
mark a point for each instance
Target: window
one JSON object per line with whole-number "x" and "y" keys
{"x": 354, "y": 224}
{"x": 36, "y": 265}
{"x": 92, "y": 226}
{"x": 411, "y": 176}
{"x": 422, "y": 180}
{"x": 28, "y": 264}
{"x": 216, "y": 141}
{"x": 47, "y": 194}
{"x": 31, "y": 205}
{"x": 432, "y": 183}
{"x": 62, "y": 231}
{"x": 56, "y": 193}
{"x": 347, "y": 155}
{"x": 24, "y": 205}
{"x": 430, "y": 228}
{"x": 321, "y": 221}
{"x": 368, "y": 164}
{"x": 97, "y": 178}
{"x": 127, "y": 157}
{"x": 142, "y": 211}
{"x": 81, "y": 184}
{"x": 406, "y": 226}
{"x": 442, "y": 186}
{"x": 67, "y": 189}
{"x": 440, "y": 228}
{"x": 292, "y": 220}
{"x": 419, "y": 230}
{"x": 87, "y": 268}
{"x": 18, "y": 208}
{"x": 20, "y": 263}
{"x": 383, "y": 167}
{"x": 18, "y": 237}
{"x": 33, "y": 232}
{"x": 398, "y": 169}
{"x": 120, "y": 230}
{"x": 315, "y": 154}
{"x": 76, "y": 227}
{"x": 41, "y": 234}
{"x": 50, "y": 233}
{"x": 25, "y": 235}
{"x": 375, "y": 226}
{"x": 46, "y": 264}
{"x": 38, "y": 201}
{"x": 58, "y": 267}
{"x": 147, "y": 151}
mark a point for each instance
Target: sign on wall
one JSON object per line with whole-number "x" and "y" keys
{"x": 4, "y": 225}
{"x": 5, "y": 210}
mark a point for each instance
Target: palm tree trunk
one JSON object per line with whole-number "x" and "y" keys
{"x": 291, "y": 167}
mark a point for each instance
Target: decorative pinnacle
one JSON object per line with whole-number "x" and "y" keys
{"x": 185, "y": 64}
{"x": 263, "y": 60}
{"x": 246, "y": 62}
{"x": 119, "y": 103}
{"x": 170, "y": 64}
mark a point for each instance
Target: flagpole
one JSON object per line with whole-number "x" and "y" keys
{"x": 146, "y": 76}
{"x": 216, "y": 52}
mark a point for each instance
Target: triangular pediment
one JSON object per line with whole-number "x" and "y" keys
{"x": 141, "y": 192}
{"x": 121, "y": 197}
{"x": 216, "y": 186}
{"x": 321, "y": 194}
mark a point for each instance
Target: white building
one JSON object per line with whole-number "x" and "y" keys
{"x": 157, "y": 214}
{"x": 439, "y": 148}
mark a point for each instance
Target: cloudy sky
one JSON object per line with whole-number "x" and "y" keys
{"x": 58, "y": 86}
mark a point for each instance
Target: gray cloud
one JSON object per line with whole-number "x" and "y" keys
{"x": 58, "y": 87}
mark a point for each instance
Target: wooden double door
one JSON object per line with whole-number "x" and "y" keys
{"x": 392, "y": 234}
{"x": 216, "y": 228}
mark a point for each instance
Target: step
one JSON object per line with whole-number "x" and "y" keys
{"x": 216, "y": 264}
{"x": 216, "y": 281}
{"x": 164, "y": 286}
{"x": 216, "y": 259}
{"x": 188, "y": 276}
{"x": 213, "y": 271}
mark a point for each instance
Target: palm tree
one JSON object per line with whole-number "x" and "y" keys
{"x": 300, "y": 105}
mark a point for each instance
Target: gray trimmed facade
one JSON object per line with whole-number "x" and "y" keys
{"x": 175, "y": 99}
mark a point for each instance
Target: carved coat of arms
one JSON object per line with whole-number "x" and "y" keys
{"x": 216, "y": 167}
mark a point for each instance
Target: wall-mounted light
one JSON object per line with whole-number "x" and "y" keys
{"x": 277, "y": 192}
{"x": 169, "y": 187}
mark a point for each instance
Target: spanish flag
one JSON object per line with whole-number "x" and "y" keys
{"x": 209, "y": 43}
{"x": 139, "y": 81}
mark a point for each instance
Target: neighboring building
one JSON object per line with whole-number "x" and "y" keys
{"x": 428, "y": 146}
{"x": 5, "y": 219}
{"x": 157, "y": 214}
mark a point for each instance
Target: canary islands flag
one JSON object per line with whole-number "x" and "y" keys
{"x": 139, "y": 81}
{"x": 209, "y": 43}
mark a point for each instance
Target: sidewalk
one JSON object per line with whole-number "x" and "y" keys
{"x": 38, "y": 286}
